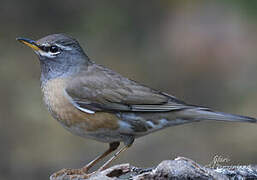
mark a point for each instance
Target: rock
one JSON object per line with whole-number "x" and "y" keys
{"x": 179, "y": 169}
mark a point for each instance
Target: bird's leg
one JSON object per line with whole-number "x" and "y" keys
{"x": 112, "y": 147}
{"x": 127, "y": 143}
{"x": 83, "y": 171}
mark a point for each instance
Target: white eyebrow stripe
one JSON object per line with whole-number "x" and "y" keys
{"x": 63, "y": 47}
{"x": 44, "y": 44}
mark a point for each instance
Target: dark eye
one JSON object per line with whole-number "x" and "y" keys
{"x": 53, "y": 49}
{"x": 45, "y": 48}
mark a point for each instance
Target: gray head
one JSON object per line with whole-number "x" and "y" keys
{"x": 59, "y": 55}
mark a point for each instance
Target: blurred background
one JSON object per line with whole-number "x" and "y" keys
{"x": 204, "y": 52}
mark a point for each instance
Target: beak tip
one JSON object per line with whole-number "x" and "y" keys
{"x": 31, "y": 43}
{"x": 18, "y": 39}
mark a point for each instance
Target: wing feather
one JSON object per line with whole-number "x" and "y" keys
{"x": 100, "y": 89}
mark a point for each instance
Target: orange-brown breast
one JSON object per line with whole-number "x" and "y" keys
{"x": 67, "y": 114}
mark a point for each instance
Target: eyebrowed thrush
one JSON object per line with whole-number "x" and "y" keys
{"x": 95, "y": 102}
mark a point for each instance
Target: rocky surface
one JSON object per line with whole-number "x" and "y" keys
{"x": 179, "y": 169}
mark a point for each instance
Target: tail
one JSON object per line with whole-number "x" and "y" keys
{"x": 198, "y": 114}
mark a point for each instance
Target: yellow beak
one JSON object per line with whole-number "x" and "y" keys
{"x": 31, "y": 43}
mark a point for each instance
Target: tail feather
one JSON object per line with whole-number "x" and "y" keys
{"x": 207, "y": 114}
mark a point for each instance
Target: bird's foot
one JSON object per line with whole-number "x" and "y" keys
{"x": 71, "y": 173}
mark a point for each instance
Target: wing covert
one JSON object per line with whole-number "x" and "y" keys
{"x": 99, "y": 89}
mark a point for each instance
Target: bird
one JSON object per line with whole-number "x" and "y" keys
{"x": 92, "y": 101}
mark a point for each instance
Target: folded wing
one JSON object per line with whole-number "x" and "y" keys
{"x": 99, "y": 89}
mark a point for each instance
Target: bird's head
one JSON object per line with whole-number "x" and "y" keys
{"x": 59, "y": 54}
